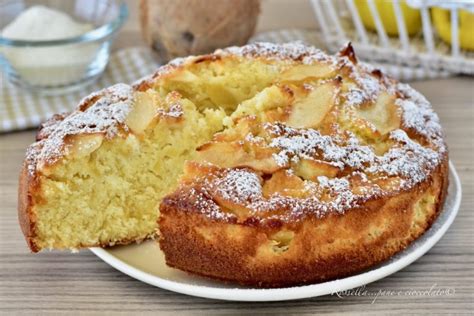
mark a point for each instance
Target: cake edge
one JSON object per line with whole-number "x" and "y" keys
{"x": 233, "y": 273}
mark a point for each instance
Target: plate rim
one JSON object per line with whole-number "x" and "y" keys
{"x": 290, "y": 293}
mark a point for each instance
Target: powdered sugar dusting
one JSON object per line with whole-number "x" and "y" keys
{"x": 369, "y": 85}
{"x": 296, "y": 144}
{"x": 410, "y": 161}
{"x": 340, "y": 189}
{"x": 355, "y": 97}
{"x": 104, "y": 115}
{"x": 243, "y": 187}
{"x": 239, "y": 186}
{"x": 201, "y": 199}
{"x": 296, "y": 51}
{"x": 407, "y": 160}
{"x": 419, "y": 116}
{"x": 366, "y": 87}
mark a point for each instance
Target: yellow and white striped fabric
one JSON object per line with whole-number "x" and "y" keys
{"x": 20, "y": 109}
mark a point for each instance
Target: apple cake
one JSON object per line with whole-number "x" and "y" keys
{"x": 267, "y": 165}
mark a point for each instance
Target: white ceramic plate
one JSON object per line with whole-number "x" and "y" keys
{"x": 146, "y": 263}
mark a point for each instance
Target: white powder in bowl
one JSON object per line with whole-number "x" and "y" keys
{"x": 54, "y": 65}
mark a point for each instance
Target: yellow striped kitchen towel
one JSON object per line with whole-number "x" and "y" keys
{"x": 20, "y": 109}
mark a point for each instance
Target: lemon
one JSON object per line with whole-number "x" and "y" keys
{"x": 411, "y": 17}
{"x": 442, "y": 23}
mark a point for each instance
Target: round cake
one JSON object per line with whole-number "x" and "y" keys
{"x": 266, "y": 165}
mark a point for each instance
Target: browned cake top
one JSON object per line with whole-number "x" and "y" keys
{"x": 354, "y": 172}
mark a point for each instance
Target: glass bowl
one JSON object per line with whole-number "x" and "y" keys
{"x": 61, "y": 65}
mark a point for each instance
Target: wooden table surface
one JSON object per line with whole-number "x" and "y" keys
{"x": 62, "y": 282}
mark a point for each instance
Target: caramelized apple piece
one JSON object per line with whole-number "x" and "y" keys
{"x": 302, "y": 72}
{"x": 76, "y": 146}
{"x": 309, "y": 169}
{"x": 238, "y": 154}
{"x": 311, "y": 110}
{"x": 284, "y": 183}
{"x": 281, "y": 241}
{"x": 142, "y": 113}
{"x": 82, "y": 145}
{"x": 222, "y": 154}
{"x": 193, "y": 170}
{"x": 383, "y": 114}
